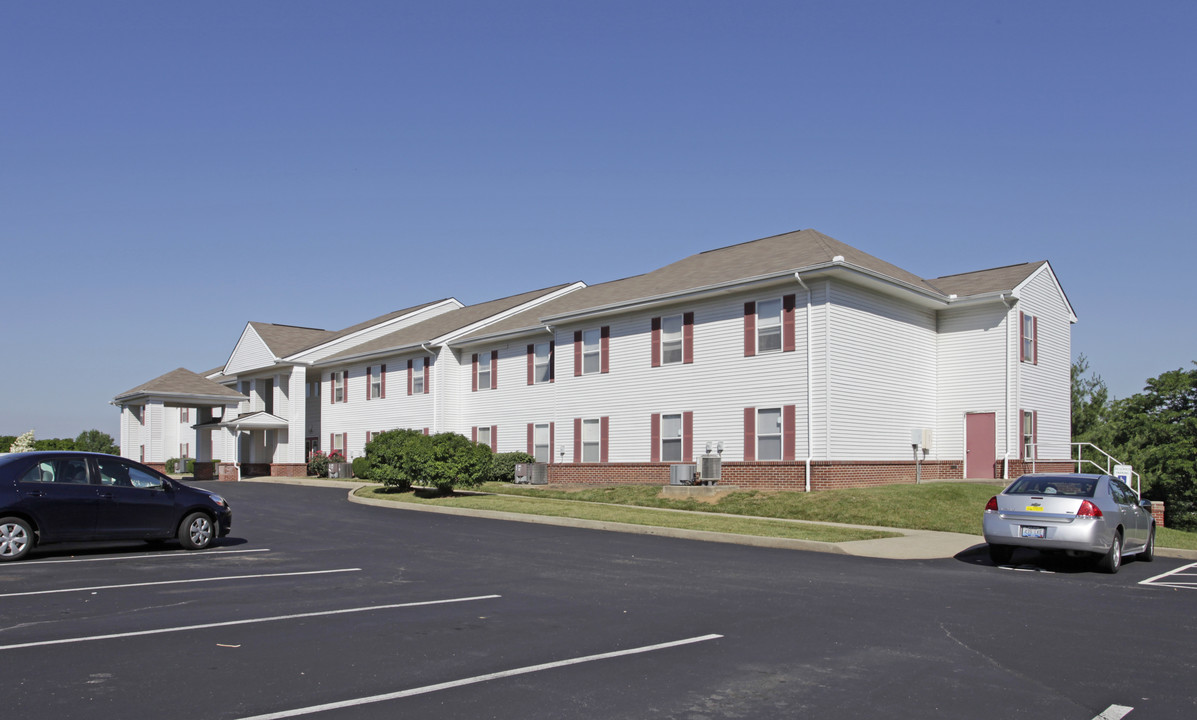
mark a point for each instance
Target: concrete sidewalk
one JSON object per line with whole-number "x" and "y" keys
{"x": 910, "y": 545}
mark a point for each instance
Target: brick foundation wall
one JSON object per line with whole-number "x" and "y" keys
{"x": 204, "y": 471}
{"x": 289, "y": 469}
{"x": 784, "y": 475}
{"x": 1022, "y": 467}
{"x": 1157, "y": 513}
{"x": 227, "y": 472}
{"x": 160, "y": 467}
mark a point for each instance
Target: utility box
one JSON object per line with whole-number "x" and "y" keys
{"x": 710, "y": 468}
{"x": 523, "y": 473}
{"x": 540, "y": 474}
{"x": 921, "y": 438}
{"x": 681, "y": 474}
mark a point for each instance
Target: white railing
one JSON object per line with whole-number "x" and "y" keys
{"x": 1083, "y": 463}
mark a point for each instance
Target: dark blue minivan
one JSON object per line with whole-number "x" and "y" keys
{"x": 50, "y": 497}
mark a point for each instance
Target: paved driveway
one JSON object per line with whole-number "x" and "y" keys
{"x": 315, "y": 607}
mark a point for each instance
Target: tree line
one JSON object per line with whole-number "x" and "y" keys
{"x": 1155, "y": 431}
{"x": 88, "y": 440}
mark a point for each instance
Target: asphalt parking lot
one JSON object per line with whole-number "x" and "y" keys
{"x": 315, "y": 607}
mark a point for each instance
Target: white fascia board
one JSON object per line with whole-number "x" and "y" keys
{"x": 448, "y": 338}
{"x": 506, "y": 336}
{"x": 1046, "y": 267}
{"x": 427, "y": 347}
{"x": 297, "y": 358}
{"x": 195, "y": 400}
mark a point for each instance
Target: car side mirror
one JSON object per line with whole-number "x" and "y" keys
{"x": 1145, "y": 504}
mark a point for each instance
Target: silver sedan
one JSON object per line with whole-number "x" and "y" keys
{"x": 1080, "y": 514}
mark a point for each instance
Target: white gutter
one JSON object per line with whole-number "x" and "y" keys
{"x": 810, "y": 410}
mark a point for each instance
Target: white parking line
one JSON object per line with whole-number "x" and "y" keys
{"x": 1174, "y": 582}
{"x": 184, "y": 553}
{"x": 477, "y": 679}
{"x": 178, "y": 582}
{"x": 247, "y": 621}
{"x": 1114, "y": 712}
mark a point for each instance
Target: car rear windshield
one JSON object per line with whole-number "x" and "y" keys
{"x": 1047, "y": 485}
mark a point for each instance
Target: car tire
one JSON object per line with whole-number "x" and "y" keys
{"x": 1112, "y": 560}
{"x": 197, "y": 531}
{"x": 16, "y": 538}
{"x": 1148, "y": 553}
{"x": 1000, "y": 554}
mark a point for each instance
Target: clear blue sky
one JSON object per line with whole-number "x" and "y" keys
{"x": 170, "y": 171}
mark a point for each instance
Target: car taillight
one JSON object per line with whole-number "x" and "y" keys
{"x": 1088, "y": 509}
{"x": 991, "y": 506}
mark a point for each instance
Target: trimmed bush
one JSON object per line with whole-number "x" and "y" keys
{"x": 402, "y": 458}
{"x": 389, "y": 462}
{"x": 361, "y": 467}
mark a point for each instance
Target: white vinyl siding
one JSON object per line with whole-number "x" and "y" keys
{"x": 974, "y": 361}
{"x": 1045, "y": 387}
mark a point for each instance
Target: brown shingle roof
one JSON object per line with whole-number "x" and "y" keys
{"x": 181, "y": 382}
{"x": 443, "y": 324}
{"x": 986, "y": 281}
{"x": 286, "y": 340}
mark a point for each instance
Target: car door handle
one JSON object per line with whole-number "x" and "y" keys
{"x": 36, "y": 493}
{"x": 105, "y": 496}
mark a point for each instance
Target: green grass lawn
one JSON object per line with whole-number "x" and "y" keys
{"x": 949, "y": 507}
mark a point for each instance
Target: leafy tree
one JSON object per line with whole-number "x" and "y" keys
{"x": 6, "y": 442}
{"x": 54, "y": 444}
{"x": 1090, "y": 400}
{"x": 1156, "y": 431}
{"x": 96, "y": 441}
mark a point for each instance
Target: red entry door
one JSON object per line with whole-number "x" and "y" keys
{"x": 980, "y": 447}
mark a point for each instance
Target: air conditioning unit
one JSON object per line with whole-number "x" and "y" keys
{"x": 523, "y": 473}
{"x": 540, "y": 474}
{"x": 681, "y": 474}
{"x": 710, "y": 468}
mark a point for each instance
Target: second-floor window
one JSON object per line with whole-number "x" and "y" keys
{"x": 338, "y": 386}
{"x": 376, "y": 384}
{"x": 592, "y": 349}
{"x": 768, "y": 325}
{"x": 671, "y": 339}
{"x": 1029, "y": 332}
{"x": 542, "y": 363}
{"x": 484, "y": 365}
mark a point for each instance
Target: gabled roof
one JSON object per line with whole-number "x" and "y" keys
{"x": 982, "y": 282}
{"x": 182, "y": 384}
{"x": 436, "y": 328}
{"x": 284, "y": 340}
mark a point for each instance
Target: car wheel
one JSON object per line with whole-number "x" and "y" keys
{"x": 1001, "y": 554}
{"x": 16, "y": 538}
{"x": 197, "y": 531}
{"x": 1148, "y": 553}
{"x": 1112, "y": 560}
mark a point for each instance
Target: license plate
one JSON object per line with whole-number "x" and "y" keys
{"x": 1034, "y": 508}
{"x": 1029, "y": 531}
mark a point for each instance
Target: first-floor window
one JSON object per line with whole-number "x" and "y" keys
{"x": 484, "y": 436}
{"x": 671, "y": 438}
{"x": 768, "y": 434}
{"x": 541, "y": 448}
{"x": 1029, "y": 450}
{"x": 185, "y": 450}
{"x": 592, "y": 439}
{"x": 338, "y": 444}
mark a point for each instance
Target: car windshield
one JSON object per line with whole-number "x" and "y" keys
{"x": 1048, "y": 485}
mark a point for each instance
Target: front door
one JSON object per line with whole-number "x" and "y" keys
{"x": 980, "y": 446}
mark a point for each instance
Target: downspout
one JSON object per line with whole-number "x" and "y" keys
{"x": 1006, "y": 457}
{"x": 435, "y": 424}
{"x": 810, "y": 409}
{"x": 553, "y": 384}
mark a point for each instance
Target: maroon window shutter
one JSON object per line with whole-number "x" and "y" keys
{"x": 688, "y": 437}
{"x": 1035, "y": 340}
{"x": 531, "y": 438}
{"x": 531, "y": 364}
{"x": 655, "y": 437}
{"x": 604, "y": 433}
{"x": 787, "y": 323}
{"x": 494, "y": 438}
{"x": 409, "y": 378}
{"x": 332, "y": 441}
{"x": 332, "y": 387}
{"x": 749, "y": 329}
{"x": 749, "y": 434}
{"x": 1022, "y": 443}
{"x": 345, "y": 384}
{"x": 427, "y": 431}
{"x": 604, "y": 348}
{"x": 474, "y": 363}
{"x": 369, "y": 437}
{"x": 345, "y": 446}
{"x": 688, "y": 338}
{"x": 552, "y": 439}
{"x": 552, "y": 361}
{"x": 1035, "y": 433}
{"x": 427, "y": 375}
{"x": 577, "y": 440}
{"x": 474, "y": 434}
{"x": 494, "y": 369}
{"x": 789, "y": 445}
{"x": 577, "y": 353}
{"x": 369, "y": 380}
{"x": 1022, "y": 338}
{"x": 656, "y": 335}
{"x": 383, "y": 371}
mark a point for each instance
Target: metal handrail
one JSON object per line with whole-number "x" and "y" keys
{"x": 1078, "y": 449}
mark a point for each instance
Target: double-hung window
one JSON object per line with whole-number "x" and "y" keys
{"x": 542, "y": 362}
{"x": 671, "y": 339}
{"x": 484, "y": 436}
{"x": 484, "y": 371}
{"x": 376, "y": 388}
{"x": 768, "y": 325}
{"x": 1029, "y": 449}
{"x": 1029, "y": 336}
{"x": 415, "y": 375}
{"x": 592, "y": 439}
{"x": 338, "y": 386}
{"x": 671, "y": 437}
{"x": 541, "y": 443}
{"x": 768, "y": 434}
{"x": 592, "y": 349}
